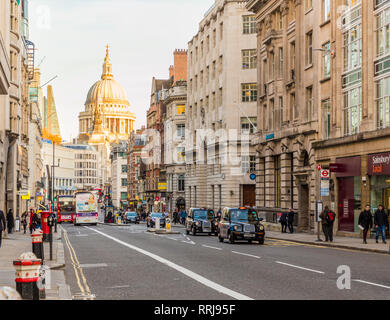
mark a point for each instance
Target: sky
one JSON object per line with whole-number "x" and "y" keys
{"x": 70, "y": 37}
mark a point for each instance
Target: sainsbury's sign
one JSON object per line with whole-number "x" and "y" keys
{"x": 379, "y": 164}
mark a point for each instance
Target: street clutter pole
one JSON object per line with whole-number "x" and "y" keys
{"x": 37, "y": 245}
{"x": 157, "y": 224}
{"x": 27, "y": 275}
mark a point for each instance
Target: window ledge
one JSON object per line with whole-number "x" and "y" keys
{"x": 324, "y": 23}
{"x": 308, "y": 67}
{"x": 325, "y": 79}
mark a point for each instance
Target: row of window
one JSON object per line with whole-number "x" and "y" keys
{"x": 248, "y": 27}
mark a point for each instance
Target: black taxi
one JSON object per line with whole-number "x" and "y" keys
{"x": 201, "y": 220}
{"x": 241, "y": 224}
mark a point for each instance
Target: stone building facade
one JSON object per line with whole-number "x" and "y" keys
{"x": 119, "y": 174}
{"x": 136, "y": 169}
{"x": 323, "y": 102}
{"x": 174, "y": 127}
{"x": 221, "y": 114}
{"x": 16, "y": 72}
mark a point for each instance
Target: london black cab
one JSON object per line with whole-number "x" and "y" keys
{"x": 201, "y": 220}
{"x": 241, "y": 224}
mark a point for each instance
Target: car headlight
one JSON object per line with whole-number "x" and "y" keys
{"x": 261, "y": 228}
{"x": 237, "y": 228}
{"x": 197, "y": 223}
{"x": 216, "y": 223}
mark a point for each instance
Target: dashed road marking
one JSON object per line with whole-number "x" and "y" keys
{"x": 203, "y": 245}
{"x": 298, "y": 267}
{"x": 372, "y": 284}
{"x": 246, "y": 254}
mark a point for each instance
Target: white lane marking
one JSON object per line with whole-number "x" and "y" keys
{"x": 187, "y": 272}
{"x": 189, "y": 242}
{"x": 173, "y": 238}
{"x": 245, "y": 254}
{"x": 203, "y": 245}
{"x": 298, "y": 267}
{"x": 372, "y": 284}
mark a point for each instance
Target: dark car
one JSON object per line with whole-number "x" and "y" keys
{"x": 241, "y": 224}
{"x": 151, "y": 220}
{"x": 201, "y": 220}
{"x": 132, "y": 217}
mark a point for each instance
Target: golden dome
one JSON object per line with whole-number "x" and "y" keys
{"x": 107, "y": 90}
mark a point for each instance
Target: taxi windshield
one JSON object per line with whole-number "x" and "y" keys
{"x": 243, "y": 215}
{"x": 131, "y": 214}
{"x": 200, "y": 214}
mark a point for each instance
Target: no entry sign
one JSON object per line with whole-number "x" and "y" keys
{"x": 325, "y": 174}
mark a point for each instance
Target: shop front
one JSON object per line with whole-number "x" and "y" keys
{"x": 378, "y": 170}
{"x": 349, "y": 193}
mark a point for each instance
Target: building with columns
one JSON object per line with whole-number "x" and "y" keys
{"x": 107, "y": 117}
{"x": 324, "y": 101}
{"x": 221, "y": 111}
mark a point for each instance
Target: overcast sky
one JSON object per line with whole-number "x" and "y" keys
{"x": 142, "y": 35}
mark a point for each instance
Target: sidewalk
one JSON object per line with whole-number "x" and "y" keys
{"x": 338, "y": 242}
{"x": 17, "y": 243}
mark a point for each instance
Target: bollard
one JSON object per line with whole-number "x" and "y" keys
{"x": 157, "y": 224}
{"x": 168, "y": 226}
{"x": 27, "y": 275}
{"x": 37, "y": 244}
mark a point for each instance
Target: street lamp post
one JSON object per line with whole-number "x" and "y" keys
{"x": 52, "y": 182}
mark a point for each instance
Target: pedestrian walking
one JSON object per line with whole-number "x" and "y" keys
{"x": 219, "y": 215}
{"x": 2, "y": 225}
{"x": 31, "y": 220}
{"x": 381, "y": 222}
{"x": 24, "y": 221}
{"x": 290, "y": 220}
{"x": 283, "y": 222}
{"x": 183, "y": 216}
{"x": 365, "y": 222}
{"x": 10, "y": 221}
{"x": 328, "y": 218}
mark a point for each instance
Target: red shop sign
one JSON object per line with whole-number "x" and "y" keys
{"x": 378, "y": 164}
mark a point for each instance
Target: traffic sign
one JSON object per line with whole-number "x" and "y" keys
{"x": 252, "y": 177}
{"x": 319, "y": 167}
{"x": 325, "y": 174}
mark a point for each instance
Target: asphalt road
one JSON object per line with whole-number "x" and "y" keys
{"x": 127, "y": 262}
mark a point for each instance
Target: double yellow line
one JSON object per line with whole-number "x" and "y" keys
{"x": 81, "y": 280}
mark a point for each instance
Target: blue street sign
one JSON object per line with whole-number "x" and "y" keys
{"x": 252, "y": 177}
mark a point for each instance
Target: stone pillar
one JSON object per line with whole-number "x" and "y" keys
{"x": 260, "y": 180}
{"x": 269, "y": 181}
{"x": 285, "y": 164}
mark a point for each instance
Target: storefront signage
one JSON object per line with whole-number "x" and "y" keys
{"x": 378, "y": 164}
{"x": 336, "y": 167}
{"x": 269, "y": 136}
{"x": 162, "y": 186}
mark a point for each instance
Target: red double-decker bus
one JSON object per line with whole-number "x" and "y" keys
{"x": 65, "y": 208}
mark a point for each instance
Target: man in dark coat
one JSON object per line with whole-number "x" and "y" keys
{"x": 2, "y": 225}
{"x": 327, "y": 219}
{"x": 290, "y": 220}
{"x": 381, "y": 222}
{"x": 365, "y": 221}
{"x": 283, "y": 222}
{"x": 10, "y": 221}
